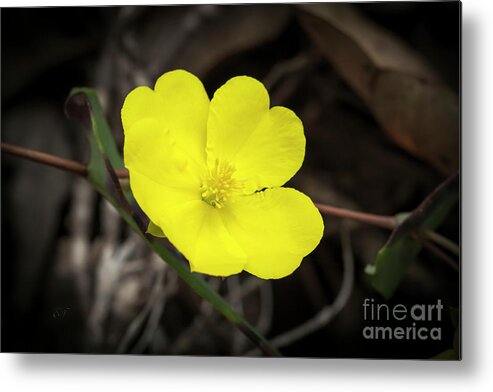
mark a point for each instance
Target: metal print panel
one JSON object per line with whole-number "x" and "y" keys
{"x": 232, "y": 180}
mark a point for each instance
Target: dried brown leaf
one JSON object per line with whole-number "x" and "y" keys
{"x": 408, "y": 100}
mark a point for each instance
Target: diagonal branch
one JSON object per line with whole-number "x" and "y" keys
{"x": 78, "y": 168}
{"x": 387, "y": 222}
{"x": 46, "y": 159}
{"x": 383, "y": 221}
{"x": 51, "y": 160}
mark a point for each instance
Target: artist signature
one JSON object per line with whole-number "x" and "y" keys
{"x": 60, "y": 313}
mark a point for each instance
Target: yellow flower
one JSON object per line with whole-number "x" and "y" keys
{"x": 209, "y": 174}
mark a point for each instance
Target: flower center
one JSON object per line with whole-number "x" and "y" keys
{"x": 219, "y": 185}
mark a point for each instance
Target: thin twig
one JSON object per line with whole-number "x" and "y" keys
{"x": 432, "y": 248}
{"x": 387, "y": 222}
{"x": 439, "y": 239}
{"x": 52, "y": 160}
{"x": 384, "y": 221}
{"x": 46, "y": 159}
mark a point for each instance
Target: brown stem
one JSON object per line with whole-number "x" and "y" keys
{"x": 384, "y": 221}
{"x": 122, "y": 173}
{"x": 439, "y": 239}
{"x": 432, "y": 248}
{"x": 387, "y": 222}
{"x": 46, "y": 159}
{"x": 52, "y": 160}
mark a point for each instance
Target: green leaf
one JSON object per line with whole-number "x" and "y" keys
{"x": 391, "y": 265}
{"x": 401, "y": 249}
{"x": 83, "y": 105}
{"x": 155, "y": 230}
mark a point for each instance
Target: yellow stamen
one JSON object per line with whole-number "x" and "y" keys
{"x": 219, "y": 185}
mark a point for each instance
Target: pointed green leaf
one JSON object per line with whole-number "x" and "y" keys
{"x": 401, "y": 249}
{"x": 155, "y": 230}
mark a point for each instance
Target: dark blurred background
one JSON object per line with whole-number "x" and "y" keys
{"x": 75, "y": 279}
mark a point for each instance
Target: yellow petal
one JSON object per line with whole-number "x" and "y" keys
{"x": 276, "y": 228}
{"x": 194, "y": 227}
{"x": 180, "y": 102}
{"x": 150, "y": 150}
{"x": 267, "y": 147}
{"x": 140, "y": 103}
{"x": 274, "y": 152}
{"x": 207, "y": 243}
{"x": 185, "y": 110}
